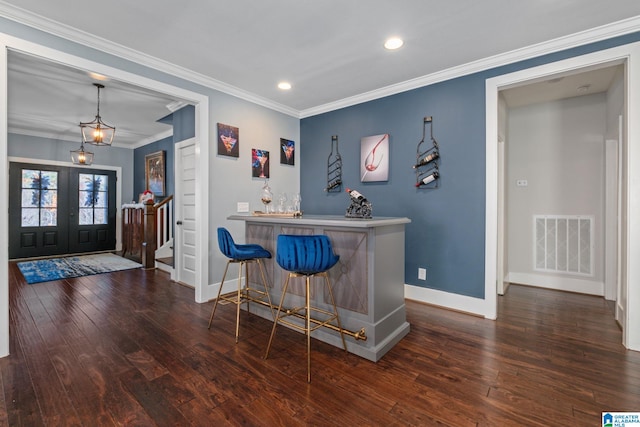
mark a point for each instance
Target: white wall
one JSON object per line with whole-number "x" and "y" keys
{"x": 558, "y": 148}
{"x": 231, "y": 179}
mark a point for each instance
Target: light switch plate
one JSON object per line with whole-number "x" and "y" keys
{"x": 243, "y": 207}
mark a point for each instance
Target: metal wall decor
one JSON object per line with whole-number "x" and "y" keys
{"x": 427, "y": 158}
{"x": 334, "y": 168}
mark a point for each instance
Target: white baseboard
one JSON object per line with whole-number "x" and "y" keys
{"x": 559, "y": 283}
{"x": 620, "y": 318}
{"x": 211, "y": 292}
{"x": 471, "y": 305}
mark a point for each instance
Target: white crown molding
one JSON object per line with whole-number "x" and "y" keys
{"x": 77, "y": 36}
{"x": 176, "y": 105}
{"x": 154, "y": 138}
{"x": 615, "y": 29}
{"x": 604, "y": 32}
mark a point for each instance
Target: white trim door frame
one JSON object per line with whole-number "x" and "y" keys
{"x": 201, "y": 103}
{"x": 630, "y": 56}
{"x": 184, "y": 213}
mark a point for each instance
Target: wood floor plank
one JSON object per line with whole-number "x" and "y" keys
{"x": 133, "y": 348}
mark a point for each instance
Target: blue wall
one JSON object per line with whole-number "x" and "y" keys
{"x": 183, "y": 122}
{"x": 446, "y": 234}
{"x": 139, "y": 154}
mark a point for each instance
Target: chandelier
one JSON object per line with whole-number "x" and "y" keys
{"x": 81, "y": 157}
{"x": 97, "y": 132}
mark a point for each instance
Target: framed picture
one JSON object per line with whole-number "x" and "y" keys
{"x": 287, "y": 152}
{"x": 228, "y": 140}
{"x": 154, "y": 168}
{"x": 374, "y": 158}
{"x": 259, "y": 163}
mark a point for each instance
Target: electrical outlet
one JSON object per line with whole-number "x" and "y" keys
{"x": 522, "y": 183}
{"x": 422, "y": 274}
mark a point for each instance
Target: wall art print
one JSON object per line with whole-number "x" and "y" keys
{"x": 154, "y": 167}
{"x": 287, "y": 152}
{"x": 259, "y": 163}
{"x": 228, "y": 140}
{"x": 374, "y": 158}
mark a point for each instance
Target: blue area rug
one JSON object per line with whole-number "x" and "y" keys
{"x": 46, "y": 270}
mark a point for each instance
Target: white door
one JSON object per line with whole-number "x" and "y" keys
{"x": 185, "y": 212}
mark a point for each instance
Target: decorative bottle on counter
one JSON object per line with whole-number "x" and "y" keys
{"x": 266, "y": 196}
{"x": 356, "y": 196}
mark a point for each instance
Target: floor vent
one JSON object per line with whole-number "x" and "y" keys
{"x": 564, "y": 244}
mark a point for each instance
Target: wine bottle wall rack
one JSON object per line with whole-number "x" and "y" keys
{"x": 334, "y": 168}
{"x": 427, "y": 159}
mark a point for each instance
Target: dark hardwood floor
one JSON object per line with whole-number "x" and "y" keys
{"x": 132, "y": 348}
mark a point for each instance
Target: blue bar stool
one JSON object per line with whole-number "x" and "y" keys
{"x": 243, "y": 255}
{"x": 306, "y": 256}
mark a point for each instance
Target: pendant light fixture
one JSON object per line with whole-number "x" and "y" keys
{"x": 81, "y": 157}
{"x": 97, "y": 132}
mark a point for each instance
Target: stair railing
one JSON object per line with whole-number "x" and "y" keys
{"x": 146, "y": 228}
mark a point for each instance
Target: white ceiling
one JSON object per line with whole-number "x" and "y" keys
{"x": 583, "y": 82}
{"x": 50, "y": 100}
{"x": 330, "y": 51}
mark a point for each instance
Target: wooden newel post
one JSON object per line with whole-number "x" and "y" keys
{"x": 149, "y": 242}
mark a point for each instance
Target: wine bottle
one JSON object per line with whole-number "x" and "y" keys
{"x": 428, "y": 179}
{"x": 427, "y": 159}
{"x": 333, "y": 185}
{"x": 356, "y": 196}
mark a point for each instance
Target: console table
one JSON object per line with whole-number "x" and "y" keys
{"x": 368, "y": 281}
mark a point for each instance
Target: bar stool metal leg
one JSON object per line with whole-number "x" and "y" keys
{"x": 306, "y": 256}
{"x": 335, "y": 309}
{"x": 308, "y": 326}
{"x": 277, "y": 316}
{"x": 215, "y": 304}
{"x": 243, "y": 255}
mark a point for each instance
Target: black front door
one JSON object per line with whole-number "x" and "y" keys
{"x": 56, "y": 210}
{"x": 92, "y": 213}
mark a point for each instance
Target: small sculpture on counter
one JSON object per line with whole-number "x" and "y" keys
{"x": 266, "y": 196}
{"x": 360, "y": 207}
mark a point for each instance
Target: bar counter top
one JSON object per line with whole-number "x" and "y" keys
{"x": 323, "y": 220}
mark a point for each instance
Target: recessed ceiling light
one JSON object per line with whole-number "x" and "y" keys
{"x": 99, "y": 77}
{"x": 583, "y": 88}
{"x": 284, "y": 85}
{"x": 393, "y": 43}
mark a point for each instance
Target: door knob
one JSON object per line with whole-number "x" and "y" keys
{"x": 179, "y": 223}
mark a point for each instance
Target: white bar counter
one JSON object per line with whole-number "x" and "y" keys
{"x": 368, "y": 281}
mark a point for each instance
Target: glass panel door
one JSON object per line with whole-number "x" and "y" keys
{"x": 56, "y": 210}
{"x": 37, "y": 215}
{"x": 92, "y": 224}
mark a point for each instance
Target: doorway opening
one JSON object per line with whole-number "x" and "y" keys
{"x": 559, "y": 181}
{"x": 627, "y": 289}
{"x": 201, "y": 103}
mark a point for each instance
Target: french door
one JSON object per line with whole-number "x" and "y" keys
{"x": 55, "y": 210}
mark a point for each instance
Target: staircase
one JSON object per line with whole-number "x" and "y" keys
{"x": 147, "y": 233}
